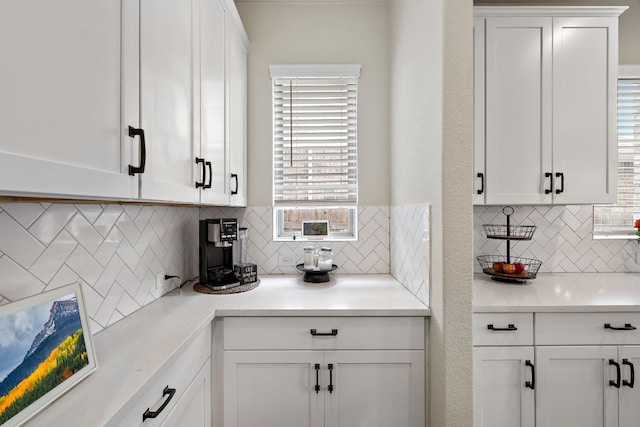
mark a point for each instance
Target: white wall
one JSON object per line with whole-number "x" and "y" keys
{"x": 320, "y": 33}
{"x": 431, "y": 146}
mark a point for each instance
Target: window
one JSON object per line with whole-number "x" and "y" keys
{"x": 315, "y": 157}
{"x": 616, "y": 221}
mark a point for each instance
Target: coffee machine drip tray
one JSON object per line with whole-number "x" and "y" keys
{"x": 221, "y": 278}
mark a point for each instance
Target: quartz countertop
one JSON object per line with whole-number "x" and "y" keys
{"x": 559, "y": 292}
{"x": 133, "y": 351}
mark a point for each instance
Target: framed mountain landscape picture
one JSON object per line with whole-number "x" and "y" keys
{"x": 45, "y": 349}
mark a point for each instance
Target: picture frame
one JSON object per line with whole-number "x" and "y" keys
{"x": 318, "y": 229}
{"x": 46, "y": 348}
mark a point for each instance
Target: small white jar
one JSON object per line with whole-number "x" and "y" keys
{"x": 308, "y": 258}
{"x": 325, "y": 259}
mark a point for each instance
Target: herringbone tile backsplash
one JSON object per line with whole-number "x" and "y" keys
{"x": 562, "y": 240}
{"x": 114, "y": 250}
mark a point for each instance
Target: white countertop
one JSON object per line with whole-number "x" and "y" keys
{"x": 559, "y": 292}
{"x": 133, "y": 351}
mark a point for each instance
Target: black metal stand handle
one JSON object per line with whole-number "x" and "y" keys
{"x": 626, "y": 327}
{"x": 550, "y": 176}
{"x": 510, "y": 327}
{"x": 615, "y": 383}
{"x": 330, "y": 388}
{"x": 208, "y": 164}
{"x": 315, "y": 333}
{"x": 481, "y": 176}
{"x": 235, "y": 175}
{"x": 317, "y": 387}
{"x": 153, "y": 414}
{"x": 561, "y": 176}
{"x": 632, "y": 374}
{"x": 143, "y": 151}
{"x": 531, "y": 384}
{"x": 201, "y": 184}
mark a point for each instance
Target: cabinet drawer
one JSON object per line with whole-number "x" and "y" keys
{"x": 177, "y": 374}
{"x": 323, "y": 333}
{"x": 587, "y": 328}
{"x": 503, "y": 329}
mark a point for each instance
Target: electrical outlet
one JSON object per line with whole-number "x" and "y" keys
{"x": 160, "y": 279}
{"x": 285, "y": 260}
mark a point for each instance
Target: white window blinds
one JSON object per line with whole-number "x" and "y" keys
{"x": 315, "y": 110}
{"x": 617, "y": 220}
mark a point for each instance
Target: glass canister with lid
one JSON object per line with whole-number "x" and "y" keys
{"x": 325, "y": 259}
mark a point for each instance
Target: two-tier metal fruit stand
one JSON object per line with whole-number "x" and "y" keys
{"x": 519, "y": 269}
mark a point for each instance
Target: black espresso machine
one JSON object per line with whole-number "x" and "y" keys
{"x": 216, "y": 253}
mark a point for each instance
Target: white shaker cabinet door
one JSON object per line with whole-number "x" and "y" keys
{"x": 629, "y": 358}
{"x": 585, "y": 70}
{"x": 237, "y": 119}
{"x": 374, "y": 388}
{"x": 518, "y": 110}
{"x": 213, "y": 145}
{"x": 194, "y": 407}
{"x": 64, "y": 113}
{"x": 573, "y": 386}
{"x": 273, "y": 389}
{"x": 503, "y": 387}
{"x": 166, "y": 101}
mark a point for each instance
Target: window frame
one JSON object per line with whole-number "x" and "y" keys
{"x": 624, "y": 72}
{"x": 320, "y": 71}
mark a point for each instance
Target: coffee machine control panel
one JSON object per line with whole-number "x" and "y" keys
{"x": 228, "y": 230}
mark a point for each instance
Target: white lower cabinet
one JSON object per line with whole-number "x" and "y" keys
{"x": 330, "y": 383}
{"x": 180, "y": 394}
{"x": 504, "y": 382}
{"x": 580, "y": 372}
{"x": 194, "y": 408}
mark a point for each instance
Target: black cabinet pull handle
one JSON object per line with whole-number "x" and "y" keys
{"x": 561, "y": 176}
{"x": 550, "y": 189}
{"x": 153, "y": 414}
{"x": 235, "y": 175}
{"x": 143, "y": 151}
{"x": 481, "y": 176}
{"x": 632, "y": 374}
{"x": 315, "y": 333}
{"x": 330, "y": 388}
{"x": 531, "y": 384}
{"x": 201, "y": 184}
{"x": 317, "y": 387}
{"x": 626, "y": 327}
{"x": 615, "y": 383}
{"x": 510, "y": 327}
{"x": 208, "y": 164}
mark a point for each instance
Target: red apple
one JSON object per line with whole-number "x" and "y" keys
{"x": 497, "y": 266}
{"x": 508, "y": 268}
{"x": 519, "y": 267}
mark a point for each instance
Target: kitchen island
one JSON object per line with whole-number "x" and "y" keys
{"x": 134, "y": 353}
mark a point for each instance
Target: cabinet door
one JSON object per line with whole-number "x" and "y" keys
{"x": 629, "y": 412}
{"x": 213, "y": 146}
{"x": 585, "y": 58}
{"x": 374, "y": 388}
{"x": 518, "y": 110}
{"x": 272, "y": 389}
{"x": 63, "y": 117}
{"x": 573, "y": 387}
{"x": 194, "y": 407}
{"x": 503, "y": 392}
{"x": 237, "y": 119}
{"x": 478, "y": 112}
{"x": 166, "y": 102}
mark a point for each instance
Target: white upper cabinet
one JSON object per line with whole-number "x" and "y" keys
{"x": 237, "y": 108}
{"x": 545, "y": 98}
{"x": 138, "y": 100}
{"x": 213, "y": 144}
{"x": 63, "y": 121}
{"x": 166, "y": 102}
